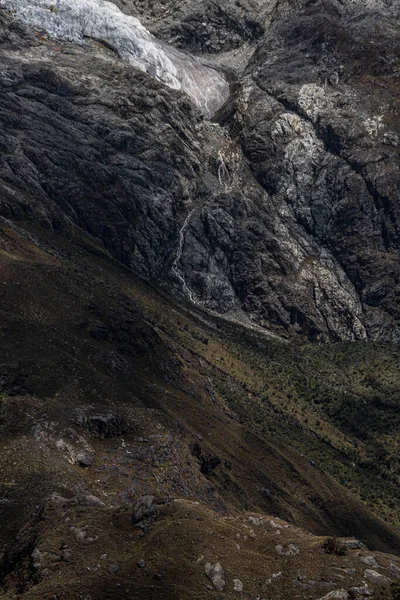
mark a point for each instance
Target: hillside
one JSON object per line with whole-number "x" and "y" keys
{"x": 111, "y": 391}
{"x": 201, "y": 311}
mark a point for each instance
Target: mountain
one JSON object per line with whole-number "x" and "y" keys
{"x": 199, "y": 337}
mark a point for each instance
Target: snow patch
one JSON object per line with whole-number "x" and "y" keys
{"x": 75, "y": 20}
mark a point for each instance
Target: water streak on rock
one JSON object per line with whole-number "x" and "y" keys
{"x": 175, "y": 267}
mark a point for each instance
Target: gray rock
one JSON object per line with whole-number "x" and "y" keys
{"x": 84, "y": 459}
{"x": 393, "y": 570}
{"x": 297, "y": 139}
{"x": 101, "y": 425}
{"x": 145, "y": 511}
{"x": 80, "y": 536}
{"x": 88, "y": 500}
{"x": 255, "y": 521}
{"x": 216, "y": 574}
{"x": 289, "y": 550}
{"x": 237, "y": 585}
{"x": 114, "y": 568}
{"x": 375, "y": 577}
{"x": 370, "y": 561}
{"x": 336, "y": 595}
{"x": 56, "y": 498}
{"x": 203, "y": 27}
{"x": 360, "y": 591}
{"x": 354, "y": 544}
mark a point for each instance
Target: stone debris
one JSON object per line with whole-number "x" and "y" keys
{"x": 145, "y": 512}
{"x": 289, "y": 550}
{"x": 216, "y": 574}
{"x": 114, "y": 568}
{"x": 237, "y": 585}
{"x": 336, "y": 595}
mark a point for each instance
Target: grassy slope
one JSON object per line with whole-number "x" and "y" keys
{"x": 291, "y": 424}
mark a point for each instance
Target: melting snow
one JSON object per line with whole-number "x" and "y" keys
{"x": 75, "y": 20}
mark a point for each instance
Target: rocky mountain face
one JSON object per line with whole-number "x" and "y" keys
{"x": 167, "y": 429}
{"x": 288, "y": 202}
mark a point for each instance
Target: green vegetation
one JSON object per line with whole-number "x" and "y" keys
{"x": 333, "y": 546}
{"x": 384, "y": 592}
{"x": 336, "y": 404}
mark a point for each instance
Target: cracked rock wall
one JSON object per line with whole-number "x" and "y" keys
{"x": 286, "y": 210}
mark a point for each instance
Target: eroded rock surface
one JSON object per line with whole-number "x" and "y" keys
{"x": 286, "y": 212}
{"x": 77, "y": 20}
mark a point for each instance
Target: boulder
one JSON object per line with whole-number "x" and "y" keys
{"x": 393, "y": 570}
{"x": 289, "y": 550}
{"x": 145, "y": 511}
{"x": 370, "y": 561}
{"x": 354, "y": 544}
{"x": 376, "y": 578}
{"x": 84, "y": 459}
{"x": 237, "y": 585}
{"x": 216, "y": 574}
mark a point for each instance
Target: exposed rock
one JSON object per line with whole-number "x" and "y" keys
{"x": 80, "y": 534}
{"x": 393, "y": 570}
{"x": 208, "y": 462}
{"x": 255, "y": 521}
{"x": 216, "y": 574}
{"x": 88, "y": 500}
{"x": 114, "y": 568}
{"x": 77, "y": 21}
{"x": 271, "y": 579}
{"x": 375, "y": 577}
{"x": 336, "y": 595}
{"x": 101, "y": 425}
{"x": 354, "y": 544}
{"x": 289, "y": 550}
{"x": 370, "y": 561}
{"x": 205, "y": 27}
{"x": 145, "y": 511}
{"x": 296, "y": 225}
{"x": 237, "y": 585}
{"x": 79, "y": 499}
{"x": 84, "y": 459}
{"x": 354, "y": 592}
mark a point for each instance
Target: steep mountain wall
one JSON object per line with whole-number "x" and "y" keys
{"x": 286, "y": 211}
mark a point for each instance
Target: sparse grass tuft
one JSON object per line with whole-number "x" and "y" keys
{"x": 334, "y": 546}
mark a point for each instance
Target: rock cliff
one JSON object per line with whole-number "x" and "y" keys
{"x": 284, "y": 207}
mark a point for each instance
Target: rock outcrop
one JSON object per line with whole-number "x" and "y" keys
{"x": 286, "y": 211}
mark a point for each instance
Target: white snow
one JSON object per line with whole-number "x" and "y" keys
{"x": 75, "y": 20}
